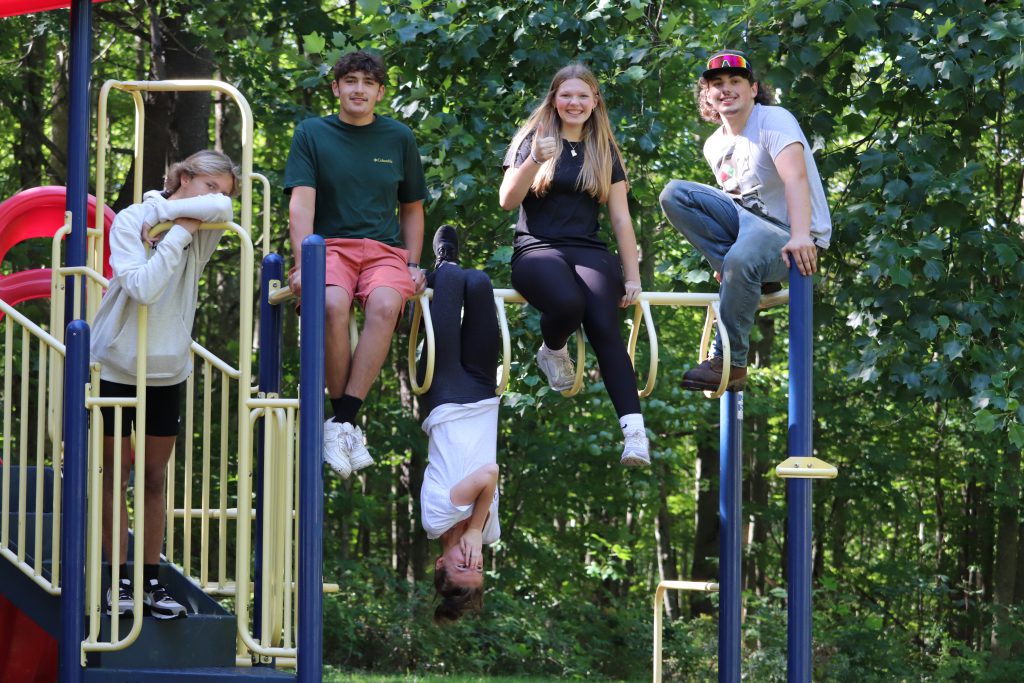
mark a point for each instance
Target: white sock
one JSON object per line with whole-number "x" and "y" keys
{"x": 631, "y": 421}
{"x": 564, "y": 351}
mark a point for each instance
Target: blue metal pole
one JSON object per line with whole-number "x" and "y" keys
{"x": 76, "y": 470}
{"x": 270, "y": 382}
{"x": 79, "y": 121}
{"x": 729, "y": 513}
{"x": 799, "y": 495}
{"x": 311, "y": 483}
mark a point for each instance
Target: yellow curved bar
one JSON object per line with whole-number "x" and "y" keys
{"x": 581, "y": 359}
{"x": 506, "y": 346}
{"x": 643, "y": 309}
{"x": 265, "y": 236}
{"x": 715, "y": 316}
{"x": 422, "y": 309}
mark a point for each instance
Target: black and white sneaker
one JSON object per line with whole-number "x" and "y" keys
{"x": 160, "y": 604}
{"x": 446, "y": 245}
{"x": 124, "y": 602}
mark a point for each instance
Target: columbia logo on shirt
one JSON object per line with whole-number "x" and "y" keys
{"x": 382, "y": 161}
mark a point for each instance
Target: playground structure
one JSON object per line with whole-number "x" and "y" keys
{"x": 52, "y": 560}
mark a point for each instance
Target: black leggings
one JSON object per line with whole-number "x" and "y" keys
{"x": 581, "y": 285}
{"x": 465, "y": 336}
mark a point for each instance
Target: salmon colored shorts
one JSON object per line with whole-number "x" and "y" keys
{"x": 362, "y": 265}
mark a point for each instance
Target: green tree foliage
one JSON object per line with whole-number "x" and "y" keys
{"x": 913, "y": 109}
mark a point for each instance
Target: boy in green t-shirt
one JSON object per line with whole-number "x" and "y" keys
{"x": 355, "y": 178}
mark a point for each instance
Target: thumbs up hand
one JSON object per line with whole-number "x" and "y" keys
{"x": 544, "y": 147}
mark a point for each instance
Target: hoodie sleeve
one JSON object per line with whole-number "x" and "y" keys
{"x": 142, "y": 278}
{"x": 206, "y": 208}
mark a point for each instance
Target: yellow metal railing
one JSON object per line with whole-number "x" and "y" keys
{"x": 642, "y": 308}
{"x": 31, "y": 359}
{"x": 659, "y": 601}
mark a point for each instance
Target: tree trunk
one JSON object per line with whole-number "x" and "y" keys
{"x": 757, "y": 488}
{"x": 708, "y": 526}
{"x": 663, "y": 538}
{"x": 30, "y": 114}
{"x": 1004, "y": 579}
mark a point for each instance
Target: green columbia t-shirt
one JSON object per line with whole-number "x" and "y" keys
{"x": 360, "y": 174}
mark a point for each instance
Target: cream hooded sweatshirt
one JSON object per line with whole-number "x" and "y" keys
{"x": 165, "y": 277}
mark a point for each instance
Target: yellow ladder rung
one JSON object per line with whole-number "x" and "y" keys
{"x": 805, "y": 467}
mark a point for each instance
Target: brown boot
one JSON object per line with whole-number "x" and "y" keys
{"x": 708, "y": 375}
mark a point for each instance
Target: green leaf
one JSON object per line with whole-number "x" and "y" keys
{"x": 313, "y": 43}
{"x": 945, "y": 28}
{"x": 984, "y": 421}
{"x": 861, "y": 23}
{"x": 953, "y": 349}
{"x": 1016, "y": 430}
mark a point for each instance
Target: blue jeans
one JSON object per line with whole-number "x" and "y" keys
{"x": 743, "y": 247}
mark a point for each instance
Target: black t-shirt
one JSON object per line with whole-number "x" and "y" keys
{"x": 566, "y": 215}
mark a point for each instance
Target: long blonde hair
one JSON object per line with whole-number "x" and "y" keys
{"x": 599, "y": 144}
{"x": 206, "y": 162}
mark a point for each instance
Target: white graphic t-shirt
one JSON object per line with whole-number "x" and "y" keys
{"x": 744, "y": 167}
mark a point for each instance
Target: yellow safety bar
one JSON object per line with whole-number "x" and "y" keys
{"x": 805, "y": 467}
{"x": 659, "y": 599}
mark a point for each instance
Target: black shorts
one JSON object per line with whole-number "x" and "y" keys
{"x": 163, "y": 409}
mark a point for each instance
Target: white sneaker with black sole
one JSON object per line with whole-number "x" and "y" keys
{"x": 124, "y": 603}
{"x": 636, "y": 450}
{"x": 557, "y": 368}
{"x": 334, "y": 453}
{"x": 160, "y": 604}
{"x": 353, "y": 444}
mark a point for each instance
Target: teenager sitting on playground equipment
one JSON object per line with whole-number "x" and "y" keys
{"x": 162, "y": 272}
{"x": 459, "y": 496}
{"x": 562, "y": 165}
{"x": 355, "y": 178}
{"x": 771, "y": 206}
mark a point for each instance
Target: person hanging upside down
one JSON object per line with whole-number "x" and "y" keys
{"x": 562, "y": 165}
{"x": 459, "y": 497}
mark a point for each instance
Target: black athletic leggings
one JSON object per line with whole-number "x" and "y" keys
{"x": 466, "y": 338}
{"x": 581, "y": 285}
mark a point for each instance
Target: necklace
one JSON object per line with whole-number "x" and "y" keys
{"x": 572, "y": 147}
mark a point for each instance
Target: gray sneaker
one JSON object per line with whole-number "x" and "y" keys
{"x": 557, "y": 367}
{"x": 636, "y": 451}
{"x": 159, "y": 602}
{"x": 334, "y": 453}
{"x": 353, "y": 445}
{"x": 125, "y": 601}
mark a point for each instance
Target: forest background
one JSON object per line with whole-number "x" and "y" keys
{"x": 914, "y": 112}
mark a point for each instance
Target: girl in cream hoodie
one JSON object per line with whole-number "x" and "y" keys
{"x": 163, "y": 273}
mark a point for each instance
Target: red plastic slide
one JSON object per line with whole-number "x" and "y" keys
{"x": 28, "y": 654}
{"x": 39, "y": 213}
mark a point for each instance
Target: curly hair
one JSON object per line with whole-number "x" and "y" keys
{"x": 455, "y": 600}
{"x": 206, "y": 162}
{"x": 361, "y": 61}
{"x": 708, "y": 113}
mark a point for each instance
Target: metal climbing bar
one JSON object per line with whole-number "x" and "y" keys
{"x": 799, "y": 494}
{"x": 311, "y": 428}
{"x": 730, "y": 514}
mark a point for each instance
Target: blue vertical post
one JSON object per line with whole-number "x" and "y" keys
{"x": 72, "y": 537}
{"x": 79, "y": 121}
{"x": 729, "y": 514}
{"x": 311, "y": 483}
{"x": 270, "y": 382}
{"x": 799, "y": 496}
